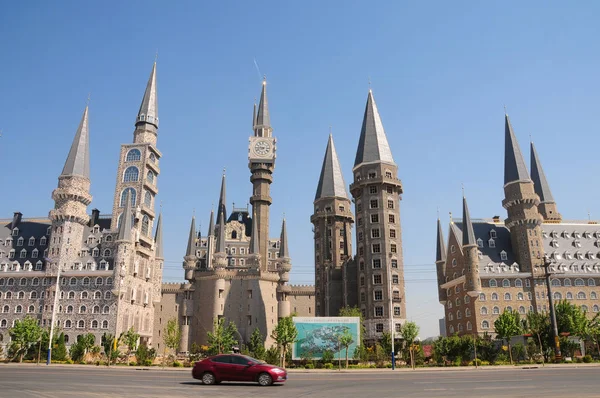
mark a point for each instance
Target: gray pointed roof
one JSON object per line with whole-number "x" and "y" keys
{"x": 262, "y": 117}
{"x": 441, "y": 245}
{"x": 283, "y": 243}
{"x": 254, "y": 244}
{"x": 211, "y": 224}
{"x": 331, "y": 181}
{"x": 126, "y": 221}
{"x": 221, "y": 209}
{"x": 373, "y": 144}
{"x": 542, "y": 188}
{"x": 514, "y": 164}
{"x": 149, "y": 106}
{"x": 254, "y": 116}
{"x": 221, "y": 237}
{"x": 78, "y": 161}
{"x": 191, "y": 246}
{"x": 158, "y": 239}
{"x": 468, "y": 236}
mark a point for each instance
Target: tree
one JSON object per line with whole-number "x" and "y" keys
{"x": 354, "y": 311}
{"x": 284, "y": 334}
{"x": 130, "y": 339}
{"x": 346, "y": 339}
{"x": 538, "y": 324}
{"x": 570, "y": 318}
{"x": 222, "y": 338}
{"x": 256, "y": 344}
{"x": 23, "y": 335}
{"x": 409, "y": 332}
{"x": 59, "y": 352}
{"x": 172, "y": 336}
{"x": 595, "y": 331}
{"x": 386, "y": 342}
{"x": 507, "y": 325}
{"x": 82, "y": 346}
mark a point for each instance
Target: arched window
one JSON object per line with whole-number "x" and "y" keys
{"x": 593, "y": 296}
{"x": 121, "y": 217}
{"x": 107, "y": 295}
{"x": 569, "y": 296}
{"x": 68, "y": 324}
{"x": 518, "y": 283}
{"x": 21, "y": 295}
{"x": 567, "y": 282}
{"x": 507, "y": 296}
{"x": 451, "y": 329}
{"x": 520, "y": 296}
{"x": 233, "y": 234}
{"x": 5, "y": 309}
{"x": 555, "y": 282}
{"x": 3, "y": 323}
{"x": 148, "y": 198}
{"x": 493, "y": 283}
{"x": 109, "y": 281}
{"x": 581, "y": 296}
{"x": 579, "y": 282}
{"x": 98, "y": 295}
{"x": 595, "y": 308}
{"x": 133, "y": 155}
{"x": 109, "y": 238}
{"x": 99, "y": 281}
{"x": 104, "y": 324}
{"x": 84, "y": 295}
{"x": 145, "y": 225}
{"x": 33, "y": 295}
{"x": 495, "y": 310}
{"x": 460, "y": 327}
{"x": 8, "y": 295}
{"x": 81, "y": 324}
{"x": 19, "y": 309}
{"x": 96, "y": 309}
{"x": 467, "y": 313}
{"x": 557, "y": 296}
{"x": 69, "y": 309}
{"x": 131, "y": 174}
{"x": 105, "y": 309}
{"x": 150, "y": 177}
{"x": 485, "y": 325}
{"x": 72, "y": 281}
{"x": 71, "y": 295}
{"x": 458, "y": 314}
{"x": 505, "y": 283}
{"x": 82, "y": 309}
{"x": 31, "y": 309}
{"x": 106, "y": 253}
{"x": 584, "y": 308}
{"x": 484, "y": 311}
{"x": 481, "y": 296}
{"x": 521, "y": 310}
{"x": 152, "y": 157}
{"x": 86, "y": 281}
{"x": 591, "y": 282}
{"x": 132, "y": 195}
{"x": 494, "y": 296}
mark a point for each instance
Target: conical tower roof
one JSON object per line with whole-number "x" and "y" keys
{"x": 373, "y": 144}
{"x": 331, "y": 181}
{"x": 78, "y": 160}
{"x": 514, "y": 164}
{"x": 468, "y": 235}
{"x": 542, "y": 188}
{"x": 221, "y": 237}
{"x": 158, "y": 239}
{"x": 191, "y": 245}
{"x": 126, "y": 221}
{"x": 263, "y": 119}
{"x": 149, "y": 107}
{"x": 441, "y": 245}
{"x": 283, "y": 243}
{"x": 222, "y": 201}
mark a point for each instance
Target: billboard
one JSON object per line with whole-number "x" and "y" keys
{"x": 319, "y": 334}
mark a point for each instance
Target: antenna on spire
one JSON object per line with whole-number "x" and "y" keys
{"x": 505, "y": 109}
{"x": 223, "y": 171}
{"x": 462, "y": 185}
{"x": 450, "y": 213}
{"x": 156, "y": 56}
{"x": 161, "y": 205}
{"x": 87, "y": 102}
{"x": 264, "y": 80}
{"x": 438, "y": 212}
{"x": 284, "y": 215}
{"x": 194, "y": 212}
{"x": 530, "y": 139}
{"x": 329, "y": 129}
{"x": 369, "y": 83}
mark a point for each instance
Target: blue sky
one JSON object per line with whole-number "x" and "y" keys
{"x": 441, "y": 73}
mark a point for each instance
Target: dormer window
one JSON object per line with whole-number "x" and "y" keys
{"x": 576, "y": 235}
{"x": 34, "y": 253}
{"x": 491, "y": 243}
{"x": 96, "y": 229}
{"x": 591, "y": 255}
{"x": 20, "y": 241}
{"x": 568, "y": 256}
{"x": 452, "y": 249}
{"x": 43, "y": 241}
{"x": 479, "y": 242}
{"x": 579, "y": 255}
{"x": 544, "y": 234}
{"x": 15, "y": 232}
{"x": 565, "y": 234}
{"x": 503, "y": 256}
{"x": 493, "y": 234}
{"x": 31, "y": 241}
{"x": 577, "y": 243}
{"x": 587, "y": 235}
{"x": 556, "y": 255}
{"x": 23, "y": 253}
{"x": 554, "y": 234}
{"x": 48, "y": 230}
{"x": 95, "y": 252}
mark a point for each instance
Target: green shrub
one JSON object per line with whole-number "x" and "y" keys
{"x": 177, "y": 364}
{"x": 309, "y": 366}
{"x": 327, "y": 356}
{"x": 587, "y": 358}
{"x": 328, "y": 366}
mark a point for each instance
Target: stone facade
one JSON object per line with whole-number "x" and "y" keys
{"x": 509, "y": 256}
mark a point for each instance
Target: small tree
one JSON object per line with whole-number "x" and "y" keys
{"x": 172, "y": 336}
{"x": 222, "y": 338}
{"x": 23, "y": 335}
{"x": 507, "y": 325}
{"x": 346, "y": 339}
{"x": 538, "y": 324}
{"x": 59, "y": 352}
{"x": 284, "y": 334}
{"x": 130, "y": 338}
{"x": 256, "y": 344}
{"x": 409, "y": 332}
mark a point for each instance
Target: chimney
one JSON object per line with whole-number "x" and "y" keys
{"x": 94, "y": 218}
{"x": 496, "y": 219}
{"x": 16, "y": 219}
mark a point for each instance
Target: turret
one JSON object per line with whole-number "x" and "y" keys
{"x": 146, "y": 122}
{"x": 547, "y": 206}
{"x": 285, "y": 266}
{"x": 470, "y": 250}
{"x": 189, "y": 261}
{"x": 440, "y": 263}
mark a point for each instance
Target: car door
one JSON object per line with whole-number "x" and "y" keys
{"x": 240, "y": 368}
{"x": 222, "y": 367}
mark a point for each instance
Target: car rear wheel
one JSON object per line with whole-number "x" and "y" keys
{"x": 208, "y": 378}
{"x": 264, "y": 379}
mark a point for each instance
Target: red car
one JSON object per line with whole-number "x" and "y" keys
{"x": 233, "y": 367}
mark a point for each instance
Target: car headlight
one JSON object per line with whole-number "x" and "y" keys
{"x": 277, "y": 370}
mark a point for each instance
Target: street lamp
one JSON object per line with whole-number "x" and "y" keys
{"x": 391, "y": 310}
{"x": 557, "y": 354}
{"x": 54, "y": 307}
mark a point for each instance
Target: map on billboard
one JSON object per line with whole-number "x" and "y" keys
{"x": 319, "y": 334}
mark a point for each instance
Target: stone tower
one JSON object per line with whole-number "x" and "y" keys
{"x": 547, "y": 206}
{"x": 261, "y": 161}
{"x": 470, "y": 251}
{"x": 521, "y": 203}
{"x": 332, "y": 220}
{"x": 440, "y": 263}
{"x": 72, "y": 196}
{"x": 284, "y": 267}
{"x": 376, "y": 190}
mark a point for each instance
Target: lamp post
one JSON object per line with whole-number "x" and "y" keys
{"x": 52, "y": 321}
{"x": 391, "y": 310}
{"x": 557, "y": 354}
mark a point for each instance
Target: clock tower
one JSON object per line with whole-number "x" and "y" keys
{"x": 261, "y": 161}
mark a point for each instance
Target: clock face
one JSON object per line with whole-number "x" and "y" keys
{"x": 262, "y": 148}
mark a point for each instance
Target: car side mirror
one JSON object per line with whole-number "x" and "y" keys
{"x": 250, "y": 363}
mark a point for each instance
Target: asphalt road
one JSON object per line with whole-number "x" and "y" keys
{"x": 55, "y": 381}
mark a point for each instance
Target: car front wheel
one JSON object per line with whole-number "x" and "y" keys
{"x": 208, "y": 378}
{"x": 264, "y": 379}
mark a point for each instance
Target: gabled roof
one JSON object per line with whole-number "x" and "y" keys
{"x": 78, "y": 160}
{"x": 542, "y": 188}
{"x": 331, "y": 181}
{"x": 149, "y": 105}
{"x": 514, "y": 164}
{"x": 373, "y": 145}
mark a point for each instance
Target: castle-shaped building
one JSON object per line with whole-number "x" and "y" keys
{"x": 489, "y": 266}
{"x": 109, "y": 266}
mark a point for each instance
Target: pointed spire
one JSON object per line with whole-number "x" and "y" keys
{"x": 539, "y": 178}
{"x": 78, "y": 161}
{"x": 373, "y": 145}
{"x": 283, "y": 244}
{"x": 263, "y": 120}
{"x": 468, "y": 234}
{"x": 222, "y": 201}
{"x": 514, "y": 164}
{"x": 148, "y": 112}
{"x": 221, "y": 237}
{"x": 254, "y": 115}
{"x": 441, "y": 245}
{"x": 158, "y": 240}
{"x": 254, "y": 244}
{"x": 331, "y": 181}
{"x": 126, "y": 221}
{"x": 211, "y": 224}
{"x": 191, "y": 246}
